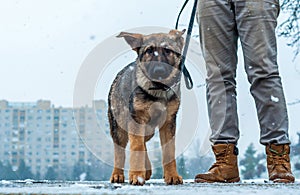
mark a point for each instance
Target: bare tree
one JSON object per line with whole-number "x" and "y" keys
{"x": 290, "y": 28}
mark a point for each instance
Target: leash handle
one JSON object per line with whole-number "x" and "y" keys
{"x": 187, "y": 77}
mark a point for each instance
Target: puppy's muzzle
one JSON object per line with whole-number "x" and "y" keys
{"x": 159, "y": 71}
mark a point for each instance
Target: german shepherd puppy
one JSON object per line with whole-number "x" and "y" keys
{"x": 146, "y": 95}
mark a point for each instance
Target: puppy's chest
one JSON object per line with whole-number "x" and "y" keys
{"x": 151, "y": 110}
{"x": 149, "y": 105}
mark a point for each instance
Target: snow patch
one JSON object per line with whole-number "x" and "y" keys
{"x": 5, "y": 182}
{"x": 274, "y": 99}
{"x": 256, "y": 186}
{"x": 29, "y": 181}
{"x": 131, "y": 67}
{"x": 140, "y": 179}
{"x": 82, "y": 176}
{"x": 163, "y": 44}
{"x": 117, "y": 185}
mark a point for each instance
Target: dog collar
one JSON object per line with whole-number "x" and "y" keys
{"x": 161, "y": 86}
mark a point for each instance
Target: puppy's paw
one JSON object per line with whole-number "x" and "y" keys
{"x": 174, "y": 179}
{"x": 117, "y": 178}
{"x": 137, "y": 177}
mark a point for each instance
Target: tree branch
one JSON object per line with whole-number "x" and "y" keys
{"x": 290, "y": 28}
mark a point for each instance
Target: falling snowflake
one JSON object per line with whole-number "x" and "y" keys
{"x": 274, "y": 99}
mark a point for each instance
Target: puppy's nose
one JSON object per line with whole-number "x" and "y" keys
{"x": 159, "y": 70}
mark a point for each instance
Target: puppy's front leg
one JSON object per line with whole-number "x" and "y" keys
{"x": 117, "y": 175}
{"x": 137, "y": 172}
{"x": 167, "y": 139}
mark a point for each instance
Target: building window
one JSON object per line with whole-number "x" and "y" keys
{"x": 48, "y": 139}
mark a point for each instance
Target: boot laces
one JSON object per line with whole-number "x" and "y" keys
{"x": 278, "y": 158}
{"x": 277, "y": 153}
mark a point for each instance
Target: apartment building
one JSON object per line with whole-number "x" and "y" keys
{"x": 44, "y": 135}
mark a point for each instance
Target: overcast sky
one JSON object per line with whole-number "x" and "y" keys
{"x": 44, "y": 43}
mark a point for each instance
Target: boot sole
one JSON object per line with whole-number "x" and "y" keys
{"x": 234, "y": 180}
{"x": 282, "y": 181}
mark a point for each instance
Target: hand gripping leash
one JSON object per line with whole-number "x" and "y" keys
{"x": 187, "y": 77}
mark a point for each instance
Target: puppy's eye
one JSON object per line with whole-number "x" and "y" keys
{"x": 150, "y": 51}
{"x": 167, "y": 51}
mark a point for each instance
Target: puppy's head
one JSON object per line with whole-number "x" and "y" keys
{"x": 159, "y": 55}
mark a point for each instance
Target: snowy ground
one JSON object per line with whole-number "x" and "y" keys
{"x": 151, "y": 187}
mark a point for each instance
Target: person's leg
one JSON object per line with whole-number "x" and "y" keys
{"x": 218, "y": 37}
{"x": 256, "y": 23}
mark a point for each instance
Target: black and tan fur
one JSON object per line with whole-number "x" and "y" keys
{"x": 143, "y": 96}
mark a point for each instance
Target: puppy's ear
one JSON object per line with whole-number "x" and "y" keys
{"x": 177, "y": 36}
{"x": 177, "y": 33}
{"x": 133, "y": 39}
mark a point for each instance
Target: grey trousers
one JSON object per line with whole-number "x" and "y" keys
{"x": 221, "y": 23}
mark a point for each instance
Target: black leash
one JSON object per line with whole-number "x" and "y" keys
{"x": 187, "y": 77}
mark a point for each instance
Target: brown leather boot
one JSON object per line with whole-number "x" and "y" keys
{"x": 278, "y": 161}
{"x": 225, "y": 168}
